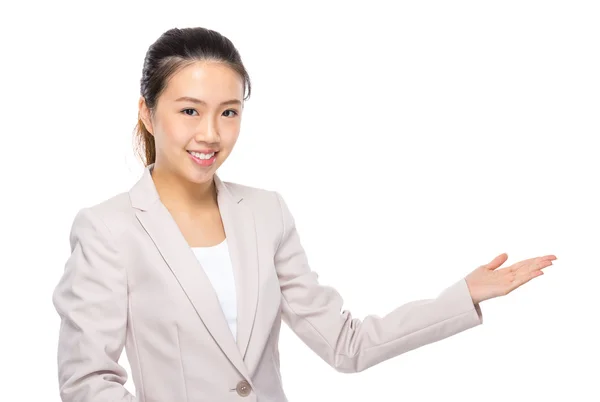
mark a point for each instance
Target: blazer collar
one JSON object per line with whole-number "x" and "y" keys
{"x": 239, "y": 225}
{"x": 143, "y": 194}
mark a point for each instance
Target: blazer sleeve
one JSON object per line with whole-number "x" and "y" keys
{"x": 91, "y": 300}
{"x": 314, "y": 313}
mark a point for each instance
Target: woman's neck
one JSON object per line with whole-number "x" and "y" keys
{"x": 180, "y": 195}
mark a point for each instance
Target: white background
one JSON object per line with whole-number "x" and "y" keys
{"x": 413, "y": 142}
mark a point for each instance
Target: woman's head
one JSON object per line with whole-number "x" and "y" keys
{"x": 192, "y": 94}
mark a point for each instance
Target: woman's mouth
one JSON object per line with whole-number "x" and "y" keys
{"x": 203, "y": 158}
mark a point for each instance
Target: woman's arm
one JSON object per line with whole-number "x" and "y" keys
{"x": 314, "y": 312}
{"x": 91, "y": 299}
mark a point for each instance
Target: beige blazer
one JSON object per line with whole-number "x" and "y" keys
{"x": 133, "y": 281}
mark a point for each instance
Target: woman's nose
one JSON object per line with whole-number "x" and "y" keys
{"x": 207, "y": 133}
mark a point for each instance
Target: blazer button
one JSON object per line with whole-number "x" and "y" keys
{"x": 243, "y": 388}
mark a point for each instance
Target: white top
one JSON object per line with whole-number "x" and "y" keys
{"x": 217, "y": 266}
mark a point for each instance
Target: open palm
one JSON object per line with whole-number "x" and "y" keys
{"x": 487, "y": 281}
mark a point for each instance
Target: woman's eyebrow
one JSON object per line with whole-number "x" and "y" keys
{"x": 195, "y": 100}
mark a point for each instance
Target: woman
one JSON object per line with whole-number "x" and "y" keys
{"x": 193, "y": 275}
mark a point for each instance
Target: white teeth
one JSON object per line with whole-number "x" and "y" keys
{"x": 202, "y": 156}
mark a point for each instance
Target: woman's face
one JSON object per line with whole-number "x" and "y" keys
{"x": 198, "y": 113}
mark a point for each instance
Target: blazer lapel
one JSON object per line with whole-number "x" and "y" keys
{"x": 240, "y": 230}
{"x": 238, "y": 222}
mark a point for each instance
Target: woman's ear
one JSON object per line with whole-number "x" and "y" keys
{"x": 144, "y": 115}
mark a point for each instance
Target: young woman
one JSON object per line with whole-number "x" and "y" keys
{"x": 193, "y": 275}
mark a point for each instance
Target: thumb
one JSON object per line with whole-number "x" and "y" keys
{"x": 496, "y": 262}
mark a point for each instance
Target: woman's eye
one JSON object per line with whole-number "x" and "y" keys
{"x": 185, "y": 110}
{"x": 231, "y": 110}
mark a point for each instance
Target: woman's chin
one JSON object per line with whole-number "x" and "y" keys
{"x": 200, "y": 176}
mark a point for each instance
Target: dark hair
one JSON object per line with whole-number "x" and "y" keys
{"x": 173, "y": 50}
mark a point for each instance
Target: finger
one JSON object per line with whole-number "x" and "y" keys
{"x": 544, "y": 264}
{"x": 549, "y": 257}
{"x": 546, "y": 258}
{"x": 540, "y": 264}
{"x": 530, "y": 270}
{"x": 496, "y": 262}
{"x": 532, "y": 264}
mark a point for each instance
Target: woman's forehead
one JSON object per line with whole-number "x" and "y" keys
{"x": 209, "y": 82}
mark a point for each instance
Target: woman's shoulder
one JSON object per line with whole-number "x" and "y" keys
{"x": 113, "y": 211}
{"x": 247, "y": 191}
{"x": 260, "y": 198}
{"x": 117, "y": 204}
